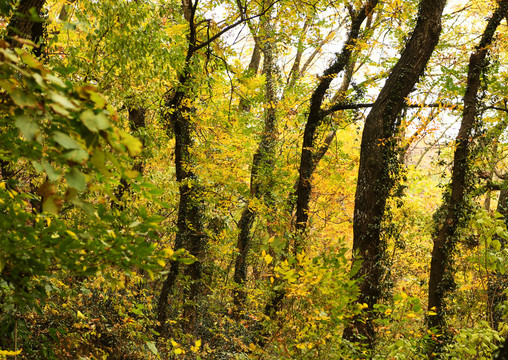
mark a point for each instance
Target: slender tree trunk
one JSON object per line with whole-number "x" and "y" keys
{"x": 136, "y": 122}
{"x": 379, "y": 164}
{"x": 252, "y": 70}
{"x": 314, "y": 120}
{"x": 261, "y": 173}
{"x": 499, "y": 282}
{"x": 441, "y": 271}
{"x": 190, "y": 223}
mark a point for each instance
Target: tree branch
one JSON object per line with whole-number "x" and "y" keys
{"x": 229, "y": 27}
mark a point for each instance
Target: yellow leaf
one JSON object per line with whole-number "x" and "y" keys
{"x": 9, "y": 353}
{"x": 161, "y": 262}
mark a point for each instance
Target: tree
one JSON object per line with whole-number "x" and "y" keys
{"x": 191, "y": 232}
{"x": 455, "y": 207}
{"x": 378, "y": 162}
{"x": 23, "y": 24}
{"x": 262, "y": 163}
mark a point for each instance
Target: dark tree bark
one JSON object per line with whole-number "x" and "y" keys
{"x": 136, "y": 122}
{"x": 441, "y": 271}
{"x": 21, "y": 24}
{"x": 502, "y": 352}
{"x": 191, "y": 234}
{"x": 190, "y": 222}
{"x": 499, "y": 282}
{"x": 378, "y": 164}
{"x": 311, "y": 156}
{"x": 315, "y": 118}
{"x": 261, "y": 173}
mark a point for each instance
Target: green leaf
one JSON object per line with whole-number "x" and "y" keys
{"x": 37, "y": 166}
{"x": 99, "y": 162}
{"x": 9, "y": 55}
{"x": 87, "y": 208}
{"x": 66, "y": 141}
{"x": 76, "y": 179}
{"x": 59, "y": 109}
{"x": 62, "y": 101}
{"x": 55, "y": 80}
{"x": 53, "y": 175}
{"x": 29, "y": 129}
{"x": 78, "y": 156}
{"x": 97, "y": 99}
{"x": 23, "y": 99}
{"x": 52, "y": 204}
{"x": 496, "y": 244}
{"x": 151, "y": 346}
{"x": 94, "y": 122}
{"x": 30, "y": 60}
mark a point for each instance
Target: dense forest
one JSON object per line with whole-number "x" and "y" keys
{"x": 253, "y": 179}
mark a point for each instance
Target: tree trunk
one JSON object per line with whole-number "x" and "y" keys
{"x": 378, "y": 164}
{"x": 136, "y": 122}
{"x": 21, "y": 23}
{"x": 441, "y": 271}
{"x": 310, "y": 157}
{"x": 261, "y": 174}
{"x": 252, "y": 70}
{"x": 314, "y": 120}
{"x": 190, "y": 223}
{"x": 499, "y": 282}
{"x": 503, "y": 351}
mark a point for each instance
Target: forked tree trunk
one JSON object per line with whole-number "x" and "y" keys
{"x": 310, "y": 156}
{"x": 251, "y": 70}
{"x": 315, "y": 119}
{"x": 441, "y": 270}
{"x": 379, "y": 164}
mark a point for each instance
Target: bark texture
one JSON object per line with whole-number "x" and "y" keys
{"x": 136, "y": 122}
{"x": 190, "y": 222}
{"x": 378, "y": 164}
{"x": 21, "y": 23}
{"x": 441, "y": 271}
